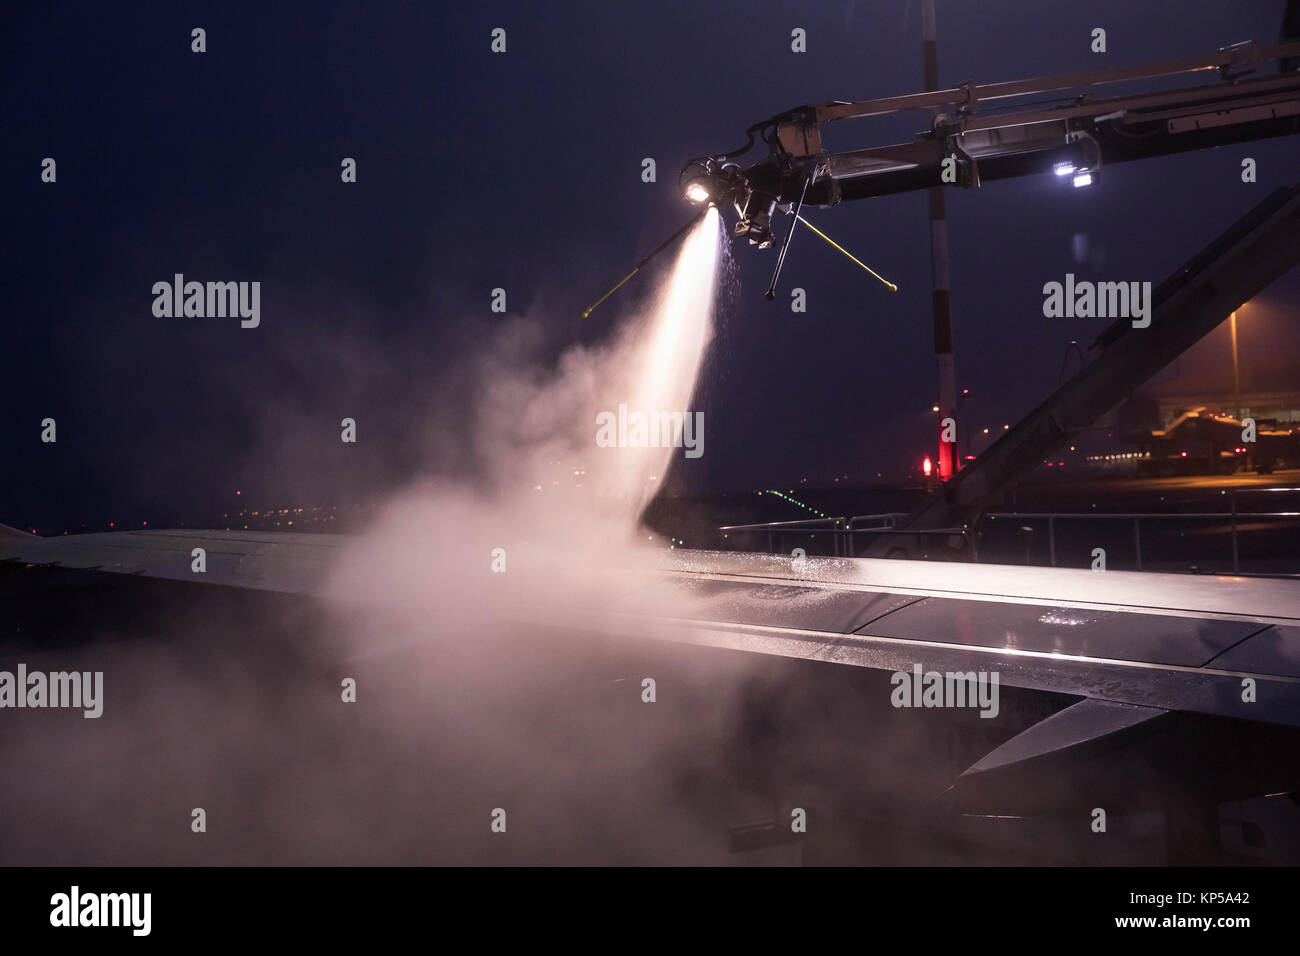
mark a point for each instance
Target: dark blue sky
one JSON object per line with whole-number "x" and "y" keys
{"x": 520, "y": 171}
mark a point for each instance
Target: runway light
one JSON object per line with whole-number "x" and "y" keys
{"x": 1083, "y": 179}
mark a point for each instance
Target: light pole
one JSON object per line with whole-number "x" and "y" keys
{"x": 1236, "y": 377}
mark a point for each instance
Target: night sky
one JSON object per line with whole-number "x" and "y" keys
{"x": 521, "y": 171}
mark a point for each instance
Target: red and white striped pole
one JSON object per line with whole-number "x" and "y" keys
{"x": 948, "y": 458}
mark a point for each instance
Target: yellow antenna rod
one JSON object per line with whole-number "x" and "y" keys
{"x": 591, "y": 308}
{"x": 658, "y": 249}
{"x": 889, "y": 285}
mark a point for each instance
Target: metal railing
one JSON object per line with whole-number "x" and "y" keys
{"x": 1232, "y": 514}
{"x": 845, "y": 532}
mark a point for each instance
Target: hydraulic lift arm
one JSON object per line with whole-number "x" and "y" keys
{"x": 965, "y": 146}
{"x": 1078, "y": 135}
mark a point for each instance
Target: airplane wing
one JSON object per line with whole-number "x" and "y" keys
{"x": 1159, "y": 674}
{"x": 1166, "y": 677}
{"x": 289, "y": 562}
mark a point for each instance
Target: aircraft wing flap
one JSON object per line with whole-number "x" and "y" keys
{"x": 1067, "y": 757}
{"x": 1081, "y": 632}
{"x": 775, "y": 603}
{"x": 1221, "y": 693}
{"x": 1275, "y": 650}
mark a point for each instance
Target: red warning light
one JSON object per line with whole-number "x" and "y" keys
{"x": 927, "y": 466}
